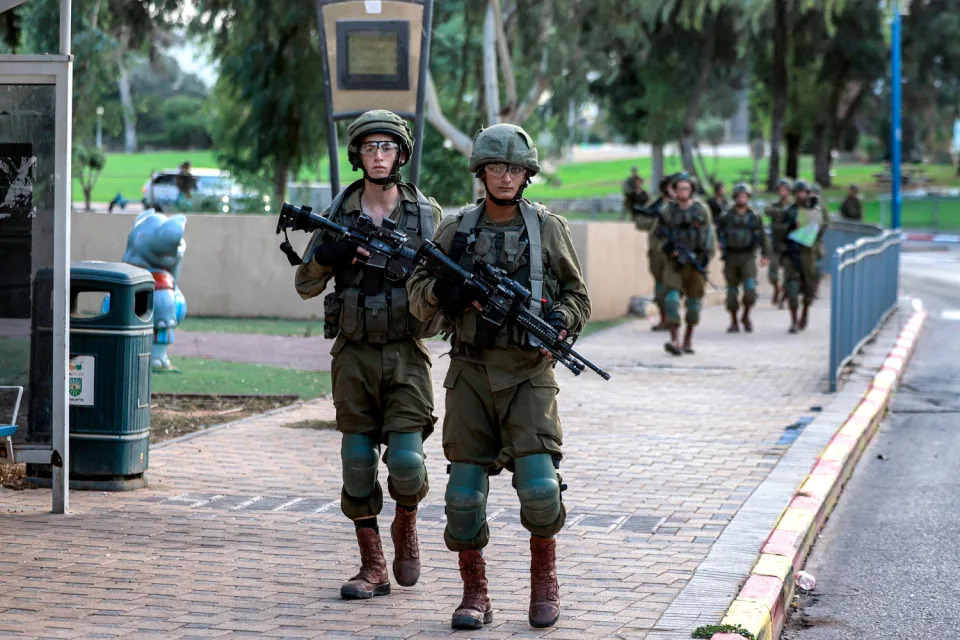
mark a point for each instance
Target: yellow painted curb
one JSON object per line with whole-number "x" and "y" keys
{"x": 752, "y": 615}
{"x": 774, "y": 566}
{"x": 796, "y": 520}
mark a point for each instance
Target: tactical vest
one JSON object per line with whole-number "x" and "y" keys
{"x": 519, "y": 252}
{"x": 364, "y": 305}
{"x": 689, "y": 226}
{"x": 779, "y": 225}
{"x": 740, "y": 231}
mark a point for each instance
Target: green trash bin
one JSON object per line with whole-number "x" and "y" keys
{"x": 111, "y": 335}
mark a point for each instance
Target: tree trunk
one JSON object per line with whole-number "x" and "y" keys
{"x": 280, "y": 180}
{"x": 793, "y": 154}
{"x": 656, "y": 172}
{"x": 821, "y": 154}
{"x": 491, "y": 84}
{"x": 688, "y": 137}
{"x": 87, "y": 197}
{"x": 126, "y": 97}
{"x": 780, "y": 86}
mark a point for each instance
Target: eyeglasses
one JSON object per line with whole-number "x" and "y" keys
{"x": 386, "y": 146}
{"x": 500, "y": 168}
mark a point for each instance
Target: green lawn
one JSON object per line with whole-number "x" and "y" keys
{"x": 218, "y": 377}
{"x": 127, "y": 173}
{"x": 264, "y": 326}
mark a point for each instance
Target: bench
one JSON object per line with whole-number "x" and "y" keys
{"x": 7, "y": 430}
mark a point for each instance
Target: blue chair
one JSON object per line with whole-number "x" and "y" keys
{"x": 7, "y": 430}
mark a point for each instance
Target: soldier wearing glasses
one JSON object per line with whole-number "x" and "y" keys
{"x": 382, "y": 388}
{"x": 501, "y": 402}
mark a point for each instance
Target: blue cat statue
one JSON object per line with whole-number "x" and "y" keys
{"x": 156, "y": 244}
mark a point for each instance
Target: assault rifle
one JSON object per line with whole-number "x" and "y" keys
{"x": 505, "y": 300}
{"x": 386, "y": 246}
{"x": 679, "y": 251}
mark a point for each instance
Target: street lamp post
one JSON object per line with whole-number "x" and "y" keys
{"x": 896, "y": 131}
{"x": 99, "y": 127}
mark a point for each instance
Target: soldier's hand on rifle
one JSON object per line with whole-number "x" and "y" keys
{"x": 555, "y": 319}
{"x": 453, "y": 297}
{"x": 338, "y": 253}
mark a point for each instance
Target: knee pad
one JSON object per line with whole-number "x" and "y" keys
{"x": 693, "y": 311}
{"x": 671, "y": 306}
{"x": 359, "y": 453}
{"x": 732, "y": 296}
{"x": 750, "y": 292}
{"x": 538, "y": 488}
{"x": 466, "y": 501}
{"x": 405, "y": 463}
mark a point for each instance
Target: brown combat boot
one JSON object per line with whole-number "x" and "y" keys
{"x": 793, "y": 321}
{"x": 544, "y": 591}
{"x": 662, "y": 325}
{"x": 803, "y": 317}
{"x": 372, "y": 579}
{"x": 475, "y": 609}
{"x": 688, "y": 340}
{"x": 673, "y": 346}
{"x": 747, "y": 324}
{"x": 734, "y": 325}
{"x": 406, "y": 548}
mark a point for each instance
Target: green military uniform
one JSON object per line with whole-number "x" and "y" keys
{"x": 381, "y": 369}
{"x": 740, "y": 234}
{"x": 501, "y": 392}
{"x": 775, "y": 212}
{"x": 634, "y": 196}
{"x": 655, "y": 258}
{"x": 799, "y": 262}
{"x": 693, "y": 228}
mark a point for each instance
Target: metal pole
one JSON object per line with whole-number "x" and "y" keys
{"x": 328, "y": 98}
{"x": 421, "y": 91}
{"x": 63, "y": 136}
{"x": 896, "y": 134}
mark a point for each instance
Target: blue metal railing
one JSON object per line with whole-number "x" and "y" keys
{"x": 865, "y": 277}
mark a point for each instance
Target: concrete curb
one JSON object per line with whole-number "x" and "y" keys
{"x": 763, "y": 602}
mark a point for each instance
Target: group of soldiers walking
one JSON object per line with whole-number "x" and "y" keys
{"x": 501, "y": 407}
{"x": 685, "y": 234}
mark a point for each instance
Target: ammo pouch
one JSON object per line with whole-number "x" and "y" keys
{"x": 332, "y": 308}
{"x": 376, "y": 319}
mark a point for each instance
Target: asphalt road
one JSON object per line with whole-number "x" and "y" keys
{"x": 888, "y": 562}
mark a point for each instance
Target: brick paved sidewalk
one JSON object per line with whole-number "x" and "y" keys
{"x": 240, "y": 531}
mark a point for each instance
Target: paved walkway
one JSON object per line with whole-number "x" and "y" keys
{"x": 240, "y": 530}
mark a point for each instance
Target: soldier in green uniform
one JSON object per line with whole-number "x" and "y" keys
{"x": 718, "y": 203}
{"x": 690, "y": 224}
{"x": 799, "y": 261}
{"x": 655, "y": 257}
{"x": 501, "y": 406}
{"x": 381, "y": 368}
{"x": 778, "y": 236}
{"x": 634, "y": 195}
{"x": 740, "y": 233}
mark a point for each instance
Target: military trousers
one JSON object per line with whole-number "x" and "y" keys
{"x": 492, "y": 429}
{"x": 379, "y": 389}
{"x": 740, "y": 270}
{"x": 683, "y": 281}
{"x": 656, "y": 262}
{"x": 801, "y": 283}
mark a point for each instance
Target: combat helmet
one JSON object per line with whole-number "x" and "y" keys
{"x": 683, "y": 176}
{"x": 504, "y": 143}
{"x": 785, "y": 182}
{"x": 742, "y": 187}
{"x": 380, "y": 121}
{"x": 801, "y": 185}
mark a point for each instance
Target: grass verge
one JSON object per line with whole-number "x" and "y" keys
{"x": 231, "y": 378}
{"x": 263, "y": 326}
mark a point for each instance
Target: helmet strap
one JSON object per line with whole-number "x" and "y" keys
{"x": 391, "y": 180}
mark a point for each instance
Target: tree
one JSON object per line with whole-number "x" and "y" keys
{"x": 87, "y": 164}
{"x": 269, "y": 117}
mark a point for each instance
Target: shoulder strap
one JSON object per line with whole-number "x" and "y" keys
{"x": 334, "y": 210}
{"x": 426, "y": 214}
{"x": 533, "y": 219}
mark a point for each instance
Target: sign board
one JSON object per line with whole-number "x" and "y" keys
{"x": 81, "y": 372}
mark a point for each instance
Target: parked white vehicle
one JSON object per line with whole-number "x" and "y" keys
{"x": 216, "y": 191}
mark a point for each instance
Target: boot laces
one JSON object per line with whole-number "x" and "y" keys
{"x": 407, "y": 531}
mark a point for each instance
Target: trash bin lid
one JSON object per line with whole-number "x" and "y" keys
{"x": 111, "y": 272}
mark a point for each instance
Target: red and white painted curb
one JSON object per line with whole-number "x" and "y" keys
{"x": 762, "y": 605}
{"x": 939, "y": 238}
